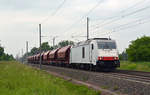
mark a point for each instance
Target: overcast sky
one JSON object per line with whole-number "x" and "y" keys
{"x": 122, "y": 20}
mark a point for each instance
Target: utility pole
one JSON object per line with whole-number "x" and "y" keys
{"x": 27, "y": 47}
{"x": 40, "y": 45}
{"x": 54, "y": 41}
{"x": 0, "y": 43}
{"x": 54, "y": 38}
{"x": 22, "y": 55}
{"x": 87, "y": 28}
{"x": 26, "y": 51}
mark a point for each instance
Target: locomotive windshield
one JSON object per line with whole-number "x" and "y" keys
{"x": 106, "y": 45}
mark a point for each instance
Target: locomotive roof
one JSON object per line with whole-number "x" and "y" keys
{"x": 100, "y": 39}
{"x": 89, "y": 40}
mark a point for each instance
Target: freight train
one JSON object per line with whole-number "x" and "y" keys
{"x": 92, "y": 54}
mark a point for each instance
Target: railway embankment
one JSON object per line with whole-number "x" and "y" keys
{"x": 115, "y": 82}
{"x": 19, "y": 79}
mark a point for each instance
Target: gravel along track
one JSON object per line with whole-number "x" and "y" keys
{"x": 131, "y": 72}
{"x": 120, "y": 82}
{"x": 136, "y": 78}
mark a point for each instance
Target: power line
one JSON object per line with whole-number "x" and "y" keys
{"x": 139, "y": 23}
{"x": 131, "y": 7}
{"x": 98, "y": 3}
{"x": 131, "y": 21}
{"x": 135, "y": 22}
{"x": 116, "y": 18}
{"x": 54, "y": 13}
{"x": 129, "y": 14}
{"x": 126, "y": 24}
{"x": 124, "y": 28}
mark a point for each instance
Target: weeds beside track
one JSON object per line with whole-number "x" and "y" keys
{"x": 18, "y": 79}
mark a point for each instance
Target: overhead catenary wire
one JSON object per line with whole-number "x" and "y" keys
{"x": 126, "y": 9}
{"x": 115, "y": 18}
{"x": 46, "y": 19}
{"x": 127, "y": 27}
{"x": 82, "y": 17}
{"x": 138, "y": 23}
{"x": 90, "y": 12}
{"x": 120, "y": 12}
{"x": 54, "y": 13}
{"x": 123, "y": 16}
{"x": 123, "y": 26}
{"x": 132, "y": 22}
{"x": 129, "y": 22}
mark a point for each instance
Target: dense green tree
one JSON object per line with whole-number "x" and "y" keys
{"x": 65, "y": 43}
{"x": 1, "y": 51}
{"x": 34, "y": 50}
{"x": 11, "y": 57}
{"x": 139, "y": 49}
{"x": 53, "y": 47}
{"x": 7, "y": 57}
{"x": 123, "y": 56}
{"x": 45, "y": 46}
{"x": 4, "y": 56}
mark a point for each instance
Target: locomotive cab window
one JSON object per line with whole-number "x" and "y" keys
{"x": 106, "y": 45}
{"x": 92, "y": 46}
{"x": 83, "y": 52}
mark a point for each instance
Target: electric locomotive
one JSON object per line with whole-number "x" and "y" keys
{"x": 99, "y": 53}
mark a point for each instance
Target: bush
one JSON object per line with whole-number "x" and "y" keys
{"x": 138, "y": 66}
{"x": 132, "y": 66}
{"x": 139, "y": 50}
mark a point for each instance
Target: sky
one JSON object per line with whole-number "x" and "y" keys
{"x": 121, "y": 20}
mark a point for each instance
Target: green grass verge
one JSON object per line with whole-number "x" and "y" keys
{"x": 18, "y": 79}
{"x": 138, "y": 66}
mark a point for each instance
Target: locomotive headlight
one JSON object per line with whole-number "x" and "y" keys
{"x": 116, "y": 58}
{"x": 100, "y": 58}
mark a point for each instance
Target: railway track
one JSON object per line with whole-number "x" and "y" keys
{"x": 131, "y": 72}
{"x": 129, "y": 82}
{"x": 129, "y": 77}
{"x": 137, "y": 76}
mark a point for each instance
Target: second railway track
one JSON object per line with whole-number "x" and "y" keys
{"x": 130, "y": 82}
{"x": 131, "y": 72}
{"x": 138, "y": 76}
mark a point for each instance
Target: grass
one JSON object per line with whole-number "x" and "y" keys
{"x": 19, "y": 79}
{"x": 138, "y": 66}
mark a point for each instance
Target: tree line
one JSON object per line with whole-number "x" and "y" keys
{"x": 45, "y": 47}
{"x": 4, "y": 56}
{"x": 138, "y": 50}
